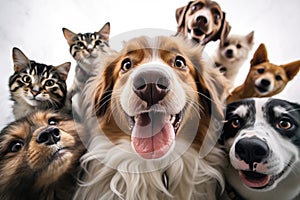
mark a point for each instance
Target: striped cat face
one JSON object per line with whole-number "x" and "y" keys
{"x": 85, "y": 48}
{"x": 36, "y": 84}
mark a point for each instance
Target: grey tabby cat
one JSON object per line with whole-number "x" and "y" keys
{"x": 37, "y": 86}
{"x": 86, "y": 49}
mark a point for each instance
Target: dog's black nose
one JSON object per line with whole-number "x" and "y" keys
{"x": 265, "y": 82}
{"x": 202, "y": 20}
{"x": 151, "y": 86}
{"x": 229, "y": 53}
{"x": 251, "y": 150}
{"x": 49, "y": 136}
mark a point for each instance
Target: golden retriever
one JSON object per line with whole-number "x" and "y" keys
{"x": 149, "y": 111}
{"x": 39, "y": 157}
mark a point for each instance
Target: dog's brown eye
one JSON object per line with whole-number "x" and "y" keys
{"x": 26, "y": 79}
{"x": 197, "y": 6}
{"x": 126, "y": 65}
{"x": 180, "y": 62}
{"x": 15, "y": 146}
{"x": 238, "y": 46}
{"x": 261, "y": 70}
{"x": 278, "y": 77}
{"x": 284, "y": 124}
{"x": 236, "y": 123}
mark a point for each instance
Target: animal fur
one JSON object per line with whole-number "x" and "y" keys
{"x": 264, "y": 79}
{"x": 39, "y": 157}
{"x": 115, "y": 107}
{"x": 230, "y": 55}
{"x": 202, "y": 21}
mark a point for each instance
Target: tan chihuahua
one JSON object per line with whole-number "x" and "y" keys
{"x": 264, "y": 78}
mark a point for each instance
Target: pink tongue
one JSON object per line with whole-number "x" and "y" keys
{"x": 152, "y": 135}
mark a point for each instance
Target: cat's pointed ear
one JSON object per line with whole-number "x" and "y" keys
{"x": 63, "y": 70}
{"x": 260, "y": 55}
{"x": 69, "y": 35}
{"x": 20, "y": 60}
{"x": 105, "y": 31}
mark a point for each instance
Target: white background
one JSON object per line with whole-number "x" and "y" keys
{"x": 36, "y": 28}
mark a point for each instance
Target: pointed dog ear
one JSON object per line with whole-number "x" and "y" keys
{"x": 180, "y": 16}
{"x": 291, "y": 69}
{"x": 221, "y": 34}
{"x": 260, "y": 55}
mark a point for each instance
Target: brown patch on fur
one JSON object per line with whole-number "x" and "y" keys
{"x": 203, "y": 85}
{"x": 262, "y": 69}
{"x": 214, "y": 29}
{"x": 32, "y": 169}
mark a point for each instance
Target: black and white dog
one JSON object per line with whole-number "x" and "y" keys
{"x": 262, "y": 139}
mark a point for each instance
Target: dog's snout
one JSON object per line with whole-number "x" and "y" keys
{"x": 49, "y": 136}
{"x": 151, "y": 86}
{"x": 201, "y": 19}
{"x": 251, "y": 149}
{"x": 229, "y": 53}
{"x": 265, "y": 82}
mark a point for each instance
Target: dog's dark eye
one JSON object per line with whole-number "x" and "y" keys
{"x": 126, "y": 65}
{"x": 216, "y": 14}
{"x": 278, "y": 77}
{"x": 197, "y": 6}
{"x": 261, "y": 70}
{"x": 26, "y": 79}
{"x": 52, "y": 121}
{"x": 16, "y": 146}
{"x": 236, "y": 123}
{"x": 180, "y": 62}
{"x": 284, "y": 124}
{"x": 226, "y": 44}
{"x": 238, "y": 46}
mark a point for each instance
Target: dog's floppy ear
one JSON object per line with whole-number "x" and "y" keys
{"x": 103, "y": 91}
{"x": 180, "y": 16}
{"x": 291, "y": 69}
{"x": 260, "y": 55}
{"x": 222, "y": 33}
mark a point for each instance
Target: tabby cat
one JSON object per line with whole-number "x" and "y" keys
{"x": 37, "y": 86}
{"x": 86, "y": 49}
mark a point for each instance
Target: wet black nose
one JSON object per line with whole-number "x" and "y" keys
{"x": 202, "y": 20}
{"x": 229, "y": 53}
{"x": 151, "y": 86}
{"x": 49, "y": 136}
{"x": 251, "y": 150}
{"x": 265, "y": 82}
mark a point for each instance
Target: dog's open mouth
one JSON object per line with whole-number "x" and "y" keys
{"x": 58, "y": 153}
{"x": 258, "y": 180}
{"x": 197, "y": 33}
{"x": 153, "y": 133}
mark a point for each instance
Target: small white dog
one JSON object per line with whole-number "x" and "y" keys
{"x": 232, "y": 53}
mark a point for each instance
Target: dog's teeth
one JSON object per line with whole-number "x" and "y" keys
{"x": 172, "y": 118}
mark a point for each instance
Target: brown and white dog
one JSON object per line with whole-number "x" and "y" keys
{"x": 150, "y": 111}
{"x": 39, "y": 157}
{"x": 203, "y": 21}
{"x": 264, "y": 78}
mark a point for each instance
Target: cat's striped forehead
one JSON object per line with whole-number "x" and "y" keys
{"x": 88, "y": 37}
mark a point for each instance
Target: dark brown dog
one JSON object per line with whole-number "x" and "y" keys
{"x": 202, "y": 21}
{"x": 39, "y": 157}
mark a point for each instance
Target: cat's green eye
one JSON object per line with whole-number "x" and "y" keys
{"x": 49, "y": 83}
{"x": 26, "y": 79}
